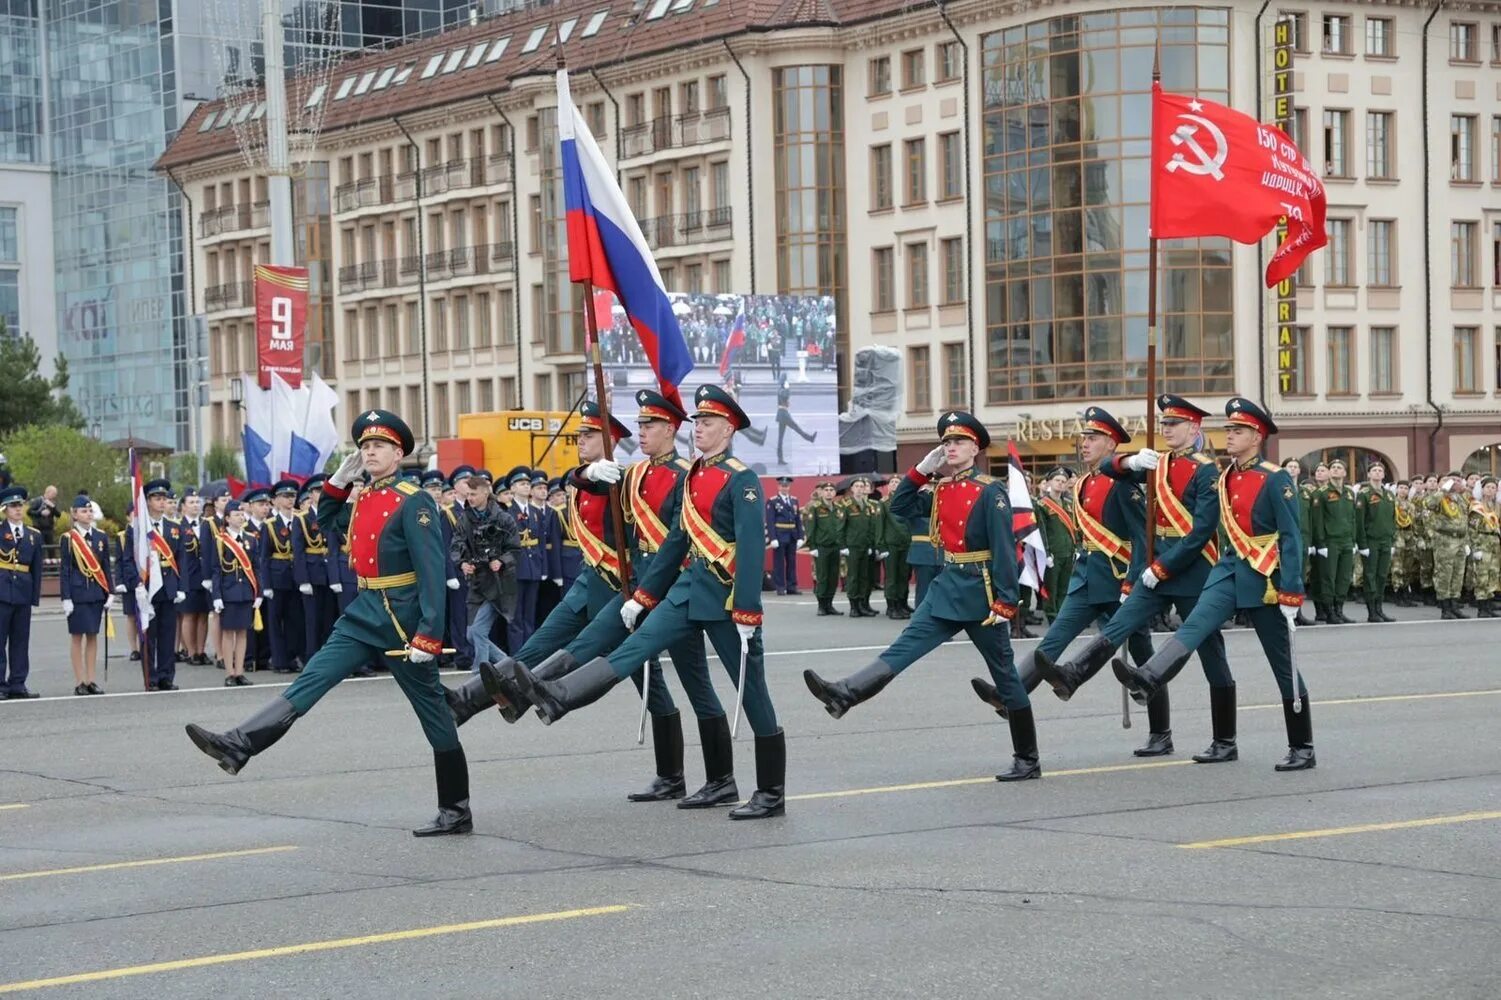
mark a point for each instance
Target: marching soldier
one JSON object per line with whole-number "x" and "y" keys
{"x": 396, "y": 545}
{"x": 284, "y": 623}
{"x": 165, "y": 538}
{"x": 975, "y": 592}
{"x": 1449, "y": 523}
{"x": 784, "y": 529}
{"x": 20, "y": 591}
{"x": 705, "y": 579}
{"x": 859, "y": 542}
{"x": 1060, "y": 533}
{"x": 823, "y": 526}
{"x": 1332, "y": 518}
{"x": 896, "y": 534}
{"x": 320, "y": 606}
{"x": 1188, "y": 520}
{"x": 1112, "y": 516}
{"x": 1376, "y": 540}
{"x": 1485, "y": 547}
{"x": 87, "y": 589}
{"x": 1260, "y": 572}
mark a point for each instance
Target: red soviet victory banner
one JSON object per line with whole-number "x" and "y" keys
{"x": 280, "y": 320}
{"x": 1219, "y": 172}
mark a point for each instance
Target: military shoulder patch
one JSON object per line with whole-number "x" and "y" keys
{"x": 750, "y": 495}
{"x": 424, "y": 518}
{"x": 1287, "y": 492}
{"x": 983, "y": 479}
{"x": 1203, "y": 459}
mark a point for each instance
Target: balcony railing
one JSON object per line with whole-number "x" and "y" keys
{"x": 400, "y": 272}
{"x": 233, "y": 218}
{"x": 234, "y": 295}
{"x": 441, "y": 178}
{"x": 693, "y": 129}
{"x": 687, "y": 229}
{"x": 362, "y": 194}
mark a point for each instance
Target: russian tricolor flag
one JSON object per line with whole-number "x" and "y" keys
{"x": 733, "y": 341}
{"x": 606, "y": 248}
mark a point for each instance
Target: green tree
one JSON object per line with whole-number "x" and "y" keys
{"x": 221, "y": 462}
{"x": 29, "y": 398}
{"x": 75, "y": 463}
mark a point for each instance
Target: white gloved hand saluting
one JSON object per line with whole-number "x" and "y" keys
{"x": 305, "y": 589}
{"x": 67, "y": 607}
{"x": 603, "y": 471}
{"x": 630, "y": 612}
{"x": 1144, "y": 460}
{"x": 1149, "y": 579}
{"x": 348, "y": 471}
{"x": 931, "y": 462}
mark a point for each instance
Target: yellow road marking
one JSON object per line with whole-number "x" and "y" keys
{"x": 1341, "y": 831}
{"x": 146, "y": 863}
{"x": 1375, "y": 698}
{"x": 955, "y": 782}
{"x": 307, "y": 948}
{"x": 14, "y": 805}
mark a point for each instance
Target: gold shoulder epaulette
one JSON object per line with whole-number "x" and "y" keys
{"x": 406, "y": 488}
{"x": 735, "y": 464}
{"x": 1202, "y": 458}
{"x": 983, "y": 479}
{"x": 682, "y": 463}
{"x": 1270, "y": 467}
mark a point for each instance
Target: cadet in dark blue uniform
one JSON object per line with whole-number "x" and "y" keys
{"x": 922, "y": 556}
{"x": 1112, "y": 517}
{"x": 20, "y": 591}
{"x": 310, "y": 559}
{"x": 551, "y": 535}
{"x": 705, "y": 578}
{"x": 284, "y": 621}
{"x": 572, "y": 559}
{"x": 87, "y": 589}
{"x": 1188, "y": 519}
{"x": 166, "y": 544}
{"x": 531, "y": 560}
{"x": 784, "y": 529}
{"x": 258, "y": 643}
{"x": 192, "y": 616}
{"x": 234, "y": 566}
{"x": 976, "y": 591}
{"x": 455, "y": 634}
{"x": 1260, "y": 572}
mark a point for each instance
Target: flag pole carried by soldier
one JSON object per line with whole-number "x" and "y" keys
{"x": 1376, "y": 540}
{"x": 976, "y": 592}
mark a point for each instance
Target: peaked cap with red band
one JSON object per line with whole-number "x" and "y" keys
{"x": 383, "y": 425}
{"x": 957, "y": 423}
{"x": 1097, "y": 420}
{"x": 713, "y": 401}
{"x": 1240, "y": 411}
{"x": 1173, "y": 407}
{"x": 655, "y": 406}
{"x": 589, "y": 420}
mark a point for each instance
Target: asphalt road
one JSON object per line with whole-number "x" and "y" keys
{"x": 130, "y": 866}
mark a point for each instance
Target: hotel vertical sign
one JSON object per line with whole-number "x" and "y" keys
{"x": 1284, "y": 40}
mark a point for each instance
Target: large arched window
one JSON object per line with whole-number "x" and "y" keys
{"x": 1358, "y": 461}
{"x": 1486, "y": 461}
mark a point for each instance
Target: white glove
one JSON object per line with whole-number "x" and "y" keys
{"x": 348, "y": 470}
{"x": 208, "y": 585}
{"x": 557, "y": 581}
{"x": 1050, "y": 562}
{"x": 1364, "y": 552}
{"x": 1144, "y": 460}
{"x": 1123, "y": 598}
{"x": 931, "y": 462}
{"x": 415, "y": 655}
{"x": 453, "y": 584}
{"x": 603, "y": 471}
{"x": 881, "y": 556}
{"x": 747, "y": 632}
{"x": 256, "y": 604}
{"x": 305, "y": 589}
{"x": 1324, "y": 553}
{"x": 218, "y": 607}
{"x": 119, "y": 588}
{"x": 143, "y": 596}
{"x": 266, "y": 594}
{"x": 109, "y": 603}
{"x": 1477, "y": 554}
{"x": 337, "y": 588}
{"x": 1447, "y": 484}
{"x": 630, "y": 612}
{"x": 1467, "y": 550}
{"x": 775, "y": 544}
{"x": 1394, "y": 550}
{"x": 844, "y": 552}
{"x": 1289, "y": 612}
{"x": 1149, "y": 579}
{"x": 1311, "y": 550}
{"x": 179, "y": 597}
{"x": 67, "y": 607}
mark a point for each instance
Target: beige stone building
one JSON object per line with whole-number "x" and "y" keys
{"x": 968, "y": 179}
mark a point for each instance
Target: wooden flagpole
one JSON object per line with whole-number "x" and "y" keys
{"x": 1152, "y": 339}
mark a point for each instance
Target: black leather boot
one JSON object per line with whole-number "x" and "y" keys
{"x": 467, "y": 700}
{"x": 556, "y": 698}
{"x": 1337, "y": 614}
{"x": 839, "y": 697}
{"x": 897, "y": 611}
{"x": 1299, "y": 737}
{"x": 1146, "y": 680}
{"x": 770, "y": 797}
{"x": 719, "y": 766}
{"x": 1024, "y": 763}
{"x": 1070, "y": 675}
{"x": 1026, "y": 670}
{"x": 1321, "y": 613}
{"x": 1222, "y": 747}
{"x": 1160, "y": 725}
{"x": 234, "y": 749}
{"x": 500, "y": 681}
{"x": 1381, "y": 610}
{"x": 1371, "y": 618}
{"x": 1019, "y": 629}
{"x": 1454, "y": 609}
{"x": 452, "y": 771}
{"x": 667, "y": 744}
{"x": 1487, "y": 608}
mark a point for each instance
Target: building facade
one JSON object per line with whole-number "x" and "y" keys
{"x": 969, "y": 180}
{"x": 26, "y": 287}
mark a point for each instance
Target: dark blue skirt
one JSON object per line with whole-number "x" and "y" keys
{"x": 86, "y": 618}
{"x": 237, "y": 616}
{"x": 198, "y": 602}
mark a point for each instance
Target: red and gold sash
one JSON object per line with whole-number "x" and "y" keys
{"x": 243, "y": 558}
{"x": 706, "y": 542}
{"x": 596, "y": 552}
{"x": 163, "y": 550}
{"x": 1097, "y": 537}
{"x": 1175, "y": 511}
{"x": 649, "y": 526}
{"x": 1061, "y": 513}
{"x": 1259, "y": 551}
{"x": 87, "y": 561}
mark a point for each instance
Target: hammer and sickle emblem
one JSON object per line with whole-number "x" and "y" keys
{"x": 1204, "y": 163}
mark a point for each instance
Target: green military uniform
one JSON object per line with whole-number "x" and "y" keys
{"x": 822, "y": 528}
{"x": 1332, "y": 516}
{"x": 1376, "y": 536}
{"x": 1060, "y": 533}
{"x": 1449, "y": 522}
{"x": 1485, "y": 554}
{"x": 896, "y": 542}
{"x": 861, "y": 537}
{"x": 1305, "y": 527}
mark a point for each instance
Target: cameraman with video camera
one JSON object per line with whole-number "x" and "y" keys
{"x": 485, "y": 543}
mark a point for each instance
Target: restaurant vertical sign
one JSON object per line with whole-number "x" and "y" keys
{"x": 1284, "y": 42}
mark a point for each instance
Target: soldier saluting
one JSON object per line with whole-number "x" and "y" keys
{"x": 976, "y": 590}
{"x": 396, "y": 546}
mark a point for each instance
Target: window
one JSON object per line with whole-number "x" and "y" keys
{"x": 880, "y": 177}
{"x": 721, "y": 276}
{"x": 1337, "y": 34}
{"x": 1496, "y": 148}
{"x": 437, "y": 315}
{"x": 351, "y": 335}
{"x": 440, "y": 409}
{"x": 1336, "y": 143}
{"x": 1462, "y": 139}
{"x": 392, "y": 329}
{"x": 1380, "y": 245}
{"x": 486, "y": 396}
{"x": 595, "y": 116}
{"x": 883, "y": 266}
{"x": 542, "y": 392}
{"x": 1300, "y": 130}
{"x": 413, "y": 327}
{"x": 535, "y": 216}
{"x": 1495, "y": 44}
{"x": 719, "y": 92}
{"x": 10, "y": 235}
{"x": 955, "y": 391}
{"x": 916, "y": 158}
{"x": 372, "y": 334}
{"x": 1379, "y": 36}
{"x": 505, "y": 305}
{"x": 950, "y": 60}
{"x": 483, "y": 320}
{"x": 1299, "y": 365}
{"x": 920, "y": 378}
{"x": 917, "y": 275}
{"x": 693, "y": 279}
{"x": 461, "y": 322}
{"x": 1462, "y": 39}
{"x": 913, "y": 69}
{"x": 1380, "y": 158}
{"x": 635, "y": 109}
{"x": 1462, "y": 269}
{"x": 953, "y": 270}
{"x": 1496, "y": 255}
{"x": 507, "y": 393}
{"x": 1383, "y": 359}
{"x": 880, "y": 76}
{"x": 1467, "y": 359}
{"x": 688, "y": 98}
{"x": 1341, "y": 360}
{"x": 950, "y": 166}
{"x": 1299, "y": 22}
{"x": 1337, "y": 254}
{"x": 719, "y": 188}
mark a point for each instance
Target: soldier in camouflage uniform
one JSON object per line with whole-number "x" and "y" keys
{"x": 860, "y": 540}
{"x": 1404, "y": 555}
{"x": 1376, "y": 538}
{"x": 1485, "y": 547}
{"x": 1449, "y": 519}
{"x": 1423, "y": 512}
{"x": 823, "y": 521}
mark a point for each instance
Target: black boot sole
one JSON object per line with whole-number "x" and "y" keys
{"x": 987, "y": 693}
{"x": 203, "y": 740}
{"x": 496, "y": 687}
{"x": 824, "y": 692}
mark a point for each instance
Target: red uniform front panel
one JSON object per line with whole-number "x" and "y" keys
{"x": 955, "y": 501}
{"x": 1245, "y": 486}
{"x": 1180, "y": 473}
{"x": 371, "y": 515}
